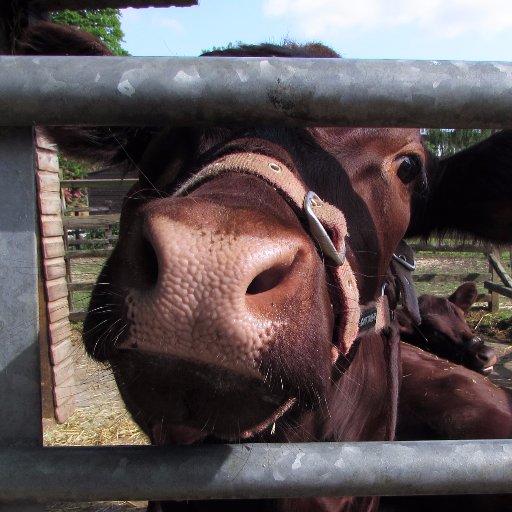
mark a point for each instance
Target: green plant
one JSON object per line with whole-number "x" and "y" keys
{"x": 445, "y": 142}
{"x": 105, "y": 24}
{"x": 72, "y": 169}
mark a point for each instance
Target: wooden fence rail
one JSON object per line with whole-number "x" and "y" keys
{"x": 120, "y": 183}
{"x": 497, "y": 271}
{"x": 80, "y": 224}
{"x": 447, "y": 247}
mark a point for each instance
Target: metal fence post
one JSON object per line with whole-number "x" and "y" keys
{"x": 20, "y": 404}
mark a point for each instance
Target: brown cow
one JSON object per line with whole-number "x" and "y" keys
{"x": 445, "y": 332}
{"x": 227, "y": 312}
{"x": 442, "y": 400}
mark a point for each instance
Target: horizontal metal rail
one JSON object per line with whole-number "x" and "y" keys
{"x": 255, "y": 471}
{"x": 245, "y": 91}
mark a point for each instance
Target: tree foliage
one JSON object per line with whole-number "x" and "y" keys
{"x": 445, "y": 142}
{"x": 103, "y": 23}
{"x": 229, "y": 46}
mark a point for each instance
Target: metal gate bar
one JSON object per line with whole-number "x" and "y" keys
{"x": 255, "y": 471}
{"x": 20, "y": 382}
{"x": 128, "y": 91}
{"x": 242, "y": 91}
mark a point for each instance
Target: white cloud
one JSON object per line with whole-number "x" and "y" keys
{"x": 438, "y": 18}
{"x": 172, "y": 24}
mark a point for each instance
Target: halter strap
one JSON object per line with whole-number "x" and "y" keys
{"x": 331, "y": 224}
{"x": 402, "y": 265}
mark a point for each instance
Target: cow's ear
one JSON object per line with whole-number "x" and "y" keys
{"x": 464, "y": 296}
{"x": 405, "y": 323}
{"x": 468, "y": 193}
{"x": 44, "y": 38}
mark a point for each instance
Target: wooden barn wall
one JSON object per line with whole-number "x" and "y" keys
{"x": 112, "y": 197}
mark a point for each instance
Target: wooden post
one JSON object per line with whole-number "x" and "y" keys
{"x": 47, "y": 402}
{"x": 494, "y": 303}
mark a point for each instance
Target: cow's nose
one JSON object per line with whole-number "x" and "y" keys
{"x": 256, "y": 268}
{"x": 219, "y": 294}
{"x": 486, "y": 356}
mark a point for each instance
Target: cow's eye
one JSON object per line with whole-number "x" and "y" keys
{"x": 409, "y": 168}
{"x": 437, "y": 334}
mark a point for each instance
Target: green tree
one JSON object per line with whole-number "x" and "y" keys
{"x": 446, "y": 142}
{"x": 103, "y": 23}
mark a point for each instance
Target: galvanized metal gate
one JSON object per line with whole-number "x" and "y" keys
{"x": 156, "y": 91}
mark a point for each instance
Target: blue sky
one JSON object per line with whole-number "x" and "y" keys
{"x": 379, "y": 29}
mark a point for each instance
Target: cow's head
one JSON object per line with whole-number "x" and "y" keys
{"x": 220, "y": 311}
{"x": 445, "y": 332}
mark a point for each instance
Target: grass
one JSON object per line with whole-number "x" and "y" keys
{"x": 86, "y": 269}
{"x": 81, "y": 299}
{"x": 89, "y": 269}
{"x": 456, "y": 265}
{"x": 440, "y": 289}
{"x": 494, "y": 325}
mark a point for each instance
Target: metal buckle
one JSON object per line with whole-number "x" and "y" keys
{"x": 403, "y": 261}
{"x": 319, "y": 233}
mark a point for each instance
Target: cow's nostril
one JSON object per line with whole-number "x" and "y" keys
{"x": 149, "y": 262}
{"x": 268, "y": 279}
{"x": 481, "y": 357}
{"x": 484, "y": 357}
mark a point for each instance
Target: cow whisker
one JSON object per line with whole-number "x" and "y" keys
{"x": 132, "y": 161}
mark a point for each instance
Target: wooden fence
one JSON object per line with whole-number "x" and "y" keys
{"x": 496, "y": 281}
{"x": 80, "y": 226}
{"x": 498, "y": 271}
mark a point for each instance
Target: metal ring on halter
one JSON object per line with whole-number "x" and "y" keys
{"x": 403, "y": 261}
{"x": 475, "y": 340}
{"x": 320, "y": 234}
